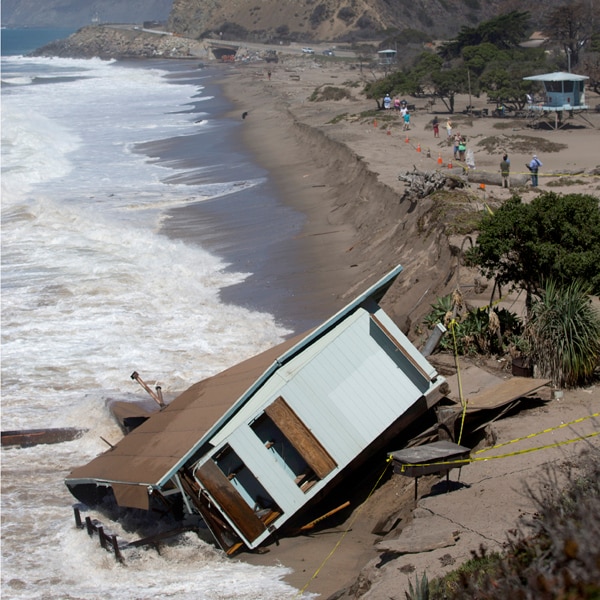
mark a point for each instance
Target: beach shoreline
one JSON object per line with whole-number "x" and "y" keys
{"x": 317, "y": 265}
{"x": 344, "y": 178}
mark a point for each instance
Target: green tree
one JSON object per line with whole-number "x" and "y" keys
{"x": 571, "y": 25}
{"x": 556, "y": 236}
{"x": 503, "y": 75}
{"x": 477, "y": 58}
{"x": 449, "y": 82}
{"x": 505, "y": 31}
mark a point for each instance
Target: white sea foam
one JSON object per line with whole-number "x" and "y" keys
{"x": 91, "y": 290}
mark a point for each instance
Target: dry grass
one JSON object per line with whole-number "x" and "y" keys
{"x": 522, "y": 144}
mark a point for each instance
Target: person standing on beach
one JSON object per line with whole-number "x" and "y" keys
{"x": 462, "y": 148}
{"x": 534, "y": 167}
{"x": 457, "y": 139}
{"x": 505, "y": 171}
{"x": 436, "y": 127}
{"x": 449, "y": 128}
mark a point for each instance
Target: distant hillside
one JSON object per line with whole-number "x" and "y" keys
{"x": 77, "y": 13}
{"x": 275, "y": 20}
{"x": 340, "y": 20}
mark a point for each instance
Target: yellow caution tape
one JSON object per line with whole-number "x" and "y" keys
{"x": 532, "y": 435}
{"x": 463, "y": 461}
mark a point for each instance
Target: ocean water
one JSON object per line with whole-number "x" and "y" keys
{"x": 97, "y": 157}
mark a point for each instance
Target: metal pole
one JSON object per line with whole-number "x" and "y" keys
{"x": 434, "y": 339}
{"x": 135, "y": 376}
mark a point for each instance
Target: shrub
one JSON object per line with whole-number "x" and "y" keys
{"x": 318, "y": 15}
{"x": 329, "y": 92}
{"x": 473, "y": 331}
{"x": 346, "y": 14}
{"x": 563, "y": 332}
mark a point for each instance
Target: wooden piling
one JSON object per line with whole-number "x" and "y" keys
{"x": 116, "y": 549}
{"x": 89, "y": 526}
{"x": 78, "y": 522}
{"x": 102, "y": 537}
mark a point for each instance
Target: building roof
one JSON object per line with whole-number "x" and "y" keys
{"x": 155, "y": 450}
{"x": 558, "y": 76}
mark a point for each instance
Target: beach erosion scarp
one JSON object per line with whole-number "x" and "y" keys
{"x": 357, "y": 227}
{"x": 343, "y": 175}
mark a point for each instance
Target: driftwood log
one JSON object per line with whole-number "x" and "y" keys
{"x": 516, "y": 180}
{"x": 424, "y": 183}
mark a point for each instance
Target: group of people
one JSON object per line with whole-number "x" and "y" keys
{"x": 459, "y": 142}
{"x": 533, "y": 165}
{"x": 460, "y": 146}
{"x": 399, "y": 105}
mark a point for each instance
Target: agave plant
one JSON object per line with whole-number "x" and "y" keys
{"x": 420, "y": 591}
{"x": 563, "y": 331}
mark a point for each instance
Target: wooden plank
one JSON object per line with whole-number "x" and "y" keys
{"x": 33, "y": 437}
{"x": 303, "y": 440}
{"x": 222, "y": 531}
{"x": 504, "y": 392}
{"x": 229, "y": 499}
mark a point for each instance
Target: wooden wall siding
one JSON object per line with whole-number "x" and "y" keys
{"x": 301, "y": 438}
{"x": 229, "y": 499}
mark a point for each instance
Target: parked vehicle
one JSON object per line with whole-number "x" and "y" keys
{"x": 329, "y": 52}
{"x": 308, "y": 51}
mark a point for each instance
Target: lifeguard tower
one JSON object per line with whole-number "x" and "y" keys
{"x": 564, "y": 95}
{"x": 387, "y": 57}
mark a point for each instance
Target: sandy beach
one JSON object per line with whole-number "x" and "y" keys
{"x": 340, "y": 169}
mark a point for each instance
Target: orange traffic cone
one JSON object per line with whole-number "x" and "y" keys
{"x": 482, "y": 186}
{"x": 450, "y": 164}
{"x": 440, "y": 161}
{"x": 418, "y": 147}
{"x": 406, "y": 140}
{"x": 389, "y": 131}
{"x": 375, "y": 123}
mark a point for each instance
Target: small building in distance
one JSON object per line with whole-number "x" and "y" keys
{"x": 563, "y": 93}
{"x": 387, "y": 57}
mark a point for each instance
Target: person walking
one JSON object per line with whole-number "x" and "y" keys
{"x": 505, "y": 171}
{"x": 436, "y": 127}
{"x": 534, "y": 167}
{"x": 449, "y": 128}
{"x": 406, "y": 121}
